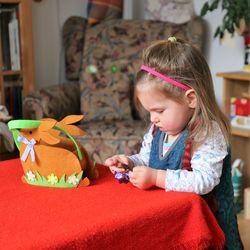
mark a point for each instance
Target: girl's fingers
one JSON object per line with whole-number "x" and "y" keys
{"x": 131, "y": 175}
{"x": 109, "y": 162}
{"x": 132, "y": 178}
{"x": 133, "y": 181}
{"x": 112, "y": 161}
{"x": 123, "y": 159}
{"x": 115, "y": 163}
{"x": 116, "y": 169}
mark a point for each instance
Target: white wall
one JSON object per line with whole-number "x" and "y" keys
{"x": 48, "y": 18}
{"x": 49, "y": 15}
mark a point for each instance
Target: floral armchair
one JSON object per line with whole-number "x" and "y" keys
{"x": 101, "y": 62}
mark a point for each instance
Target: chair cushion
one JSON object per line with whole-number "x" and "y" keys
{"x": 106, "y": 95}
{"x": 103, "y": 140}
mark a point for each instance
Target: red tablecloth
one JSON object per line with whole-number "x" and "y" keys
{"x": 105, "y": 215}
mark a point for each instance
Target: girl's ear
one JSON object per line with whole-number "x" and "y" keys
{"x": 191, "y": 98}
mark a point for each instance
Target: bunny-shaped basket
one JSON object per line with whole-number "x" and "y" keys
{"x": 50, "y": 156}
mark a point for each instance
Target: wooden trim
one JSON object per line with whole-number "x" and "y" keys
{"x": 11, "y": 1}
{"x": 237, "y": 75}
{"x": 241, "y": 132}
{"x": 10, "y": 72}
{"x": 226, "y": 100}
{"x": 26, "y": 39}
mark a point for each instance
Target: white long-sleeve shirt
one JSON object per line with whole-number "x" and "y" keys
{"x": 206, "y": 163}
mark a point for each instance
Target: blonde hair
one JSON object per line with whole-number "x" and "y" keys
{"x": 184, "y": 63}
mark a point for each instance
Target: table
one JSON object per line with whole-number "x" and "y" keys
{"x": 105, "y": 215}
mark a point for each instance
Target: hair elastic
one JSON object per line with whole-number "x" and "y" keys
{"x": 164, "y": 78}
{"x": 172, "y": 39}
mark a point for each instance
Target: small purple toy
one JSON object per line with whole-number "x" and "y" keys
{"x": 122, "y": 177}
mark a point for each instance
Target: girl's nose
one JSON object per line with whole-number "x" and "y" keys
{"x": 153, "y": 118}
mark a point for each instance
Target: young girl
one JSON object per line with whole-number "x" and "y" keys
{"x": 186, "y": 146}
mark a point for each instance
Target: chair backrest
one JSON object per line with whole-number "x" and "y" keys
{"x": 111, "y": 57}
{"x": 73, "y": 36}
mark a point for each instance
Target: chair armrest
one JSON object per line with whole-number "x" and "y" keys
{"x": 55, "y": 102}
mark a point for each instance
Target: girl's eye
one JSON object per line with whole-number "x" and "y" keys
{"x": 159, "y": 111}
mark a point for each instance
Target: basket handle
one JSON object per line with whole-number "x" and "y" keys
{"x": 15, "y": 125}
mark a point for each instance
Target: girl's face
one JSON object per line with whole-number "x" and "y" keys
{"x": 168, "y": 115}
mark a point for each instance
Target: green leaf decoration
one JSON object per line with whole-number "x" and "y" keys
{"x": 62, "y": 180}
{"x": 39, "y": 177}
{"x": 79, "y": 176}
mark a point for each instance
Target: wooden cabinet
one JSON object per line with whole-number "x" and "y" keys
{"x": 16, "y": 54}
{"x": 237, "y": 84}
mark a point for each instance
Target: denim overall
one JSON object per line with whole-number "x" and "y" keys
{"x": 223, "y": 191}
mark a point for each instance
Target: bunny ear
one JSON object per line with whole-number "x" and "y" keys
{"x": 47, "y": 124}
{"x": 53, "y": 132}
{"x": 71, "y": 119}
{"x": 45, "y": 129}
{"x": 73, "y": 130}
{"x": 48, "y": 138}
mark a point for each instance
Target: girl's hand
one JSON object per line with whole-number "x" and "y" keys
{"x": 115, "y": 163}
{"x": 146, "y": 177}
{"x": 143, "y": 177}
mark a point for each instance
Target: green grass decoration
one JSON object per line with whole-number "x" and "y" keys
{"x": 62, "y": 180}
{"x": 62, "y": 183}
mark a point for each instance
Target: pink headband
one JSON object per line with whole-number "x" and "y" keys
{"x": 164, "y": 78}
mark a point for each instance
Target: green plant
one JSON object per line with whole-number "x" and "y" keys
{"x": 237, "y": 13}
